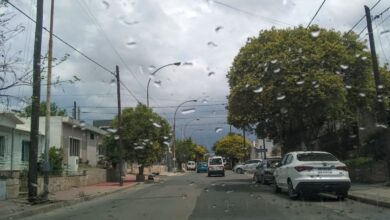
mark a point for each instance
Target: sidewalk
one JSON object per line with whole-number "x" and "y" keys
{"x": 17, "y": 208}
{"x": 375, "y": 194}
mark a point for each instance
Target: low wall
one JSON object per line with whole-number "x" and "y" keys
{"x": 370, "y": 173}
{"x": 11, "y": 183}
{"x": 148, "y": 170}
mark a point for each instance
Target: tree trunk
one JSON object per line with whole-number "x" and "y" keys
{"x": 140, "y": 177}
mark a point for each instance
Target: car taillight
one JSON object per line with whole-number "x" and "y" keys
{"x": 342, "y": 168}
{"x": 303, "y": 168}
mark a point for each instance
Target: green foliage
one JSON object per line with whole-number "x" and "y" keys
{"x": 56, "y": 158}
{"x": 54, "y": 109}
{"x": 288, "y": 85}
{"x": 143, "y": 135}
{"x": 359, "y": 161}
{"x": 232, "y": 146}
{"x": 187, "y": 150}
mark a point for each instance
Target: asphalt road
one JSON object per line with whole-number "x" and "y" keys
{"x": 196, "y": 196}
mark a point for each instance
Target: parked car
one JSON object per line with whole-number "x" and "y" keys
{"x": 247, "y": 166}
{"x": 310, "y": 172}
{"x": 215, "y": 166}
{"x": 264, "y": 171}
{"x": 191, "y": 165}
{"x": 201, "y": 167}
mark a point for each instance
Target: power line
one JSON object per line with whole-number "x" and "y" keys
{"x": 73, "y": 48}
{"x": 361, "y": 19}
{"x": 318, "y": 10}
{"x": 272, "y": 20}
{"x": 375, "y": 17}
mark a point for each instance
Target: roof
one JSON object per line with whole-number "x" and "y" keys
{"x": 11, "y": 116}
{"x": 80, "y": 124}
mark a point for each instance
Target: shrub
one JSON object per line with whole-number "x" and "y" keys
{"x": 359, "y": 161}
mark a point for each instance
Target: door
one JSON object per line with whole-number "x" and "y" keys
{"x": 282, "y": 171}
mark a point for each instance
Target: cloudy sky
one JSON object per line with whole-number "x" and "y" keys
{"x": 141, "y": 35}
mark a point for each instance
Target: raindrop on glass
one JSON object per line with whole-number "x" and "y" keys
{"x": 277, "y": 70}
{"x": 357, "y": 55}
{"x": 313, "y": 82}
{"x": 364, "y": 58}
{"x": 139, "y": 148}
{"x": 247, "y": 85}
{"x": 188, "y": 111}
{"x": 106, "y": 4}
{"x": 280, "y": 97}
{"x": 151, "y": 68}
{"x": 156, "y": 125}
{"x": 344, "y": 67}
{"x": 362, "y": 94}
{"x": 214, "y": 206}
{"x": 380, "y": 125}
{"x": 204, "y": 101}
{"x": 316, "y": 86}
{"x": 381, "y": 86}
{"x": 283, "y": 110}
{"x": 300, "y": 50}
{"x": 315, "y": 33}
{"x": 218, "y": 130}
{"x": 300, "y": 82}
{"x": 223, "y": 184}
{"x": 229, "y": 191}
{"x": 157, "y": 83}
{"x": 212, "y": 44}
{"x": 362, "y": 128}
{"x": 385, "y": 32}
{"x": 166, "y": 143}
{"x": 188, "y": 64}
{"x": 274, "y": 61}
{"x": 218, "y": 28}
{"x": 348, "y": 86}
{"x": 211, "y": 74}
{"x": 259, "y": 90}
{"x": 116, "y": 137}
{"x": 131, "y": 44}
{"x": 352, "y": 136}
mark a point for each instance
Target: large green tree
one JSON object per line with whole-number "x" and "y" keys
{"x": 232, "y": 146}
{"x": 291, "y": 84}
{"x": 144, "y": 134}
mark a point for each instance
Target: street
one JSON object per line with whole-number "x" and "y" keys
{"x": 196, "y": 196}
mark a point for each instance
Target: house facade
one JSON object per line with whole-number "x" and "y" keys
{"x": 15, "y": 142}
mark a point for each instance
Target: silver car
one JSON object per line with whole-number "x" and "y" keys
{"x": 264, "y": 171}
{"x": 247, "y": 166}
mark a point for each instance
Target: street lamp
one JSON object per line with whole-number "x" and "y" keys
{"x": 174, "y": 130}
{"x": 154, "y": 73}
{"x": 185, "y": 126}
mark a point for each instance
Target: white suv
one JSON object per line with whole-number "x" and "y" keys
{"x": 309, "y": 172}
{"x": 216, "y": 166}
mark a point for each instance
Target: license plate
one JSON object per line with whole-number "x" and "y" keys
{"x": 324, "y": 171}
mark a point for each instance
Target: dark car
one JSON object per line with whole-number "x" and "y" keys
{"x": 201, "y": 167}
{"x": 264, "y": 171}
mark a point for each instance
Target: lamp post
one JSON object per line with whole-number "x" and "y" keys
{"x": 185, "y": 126}
{"x": 174, "y": 130}
{"x": 154, "y": 73}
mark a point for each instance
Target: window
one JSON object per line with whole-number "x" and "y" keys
{"x": 25, "y": 150}
{"x": 216, "y": 161}
{"x": 91, "y": 136}
{"x": 284, "y": 159}
{"x": 2, "y": 146}
{"x": 316, "y": 157}
{"x": 289, "y": 159}
{"x": 74, "y": 147}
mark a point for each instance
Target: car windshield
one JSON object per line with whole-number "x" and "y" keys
{"x": 316, "y": 157}
{"x": 180, "y": 109}
{"x": 216, "y": 161}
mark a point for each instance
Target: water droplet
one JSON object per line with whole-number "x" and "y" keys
{"x": 151, "y": 68}
{"x": 362, "y": 94}
{"x": 362, "y": 128}
{"x": 251, "y": 195}
{"x": 348, "y": 86}
{"x": 188, "y": 64}
{"x": 352, "y": 136}
{"x": 283, "y": 110}
{"x": 313, "y": 82}
{"x": 116, "y": 137}
{"x": 184, "y": 196}
{"x": 364, "y": 58}
{"x": 157, "y": 83}
{"x": 206, "y": 190}
{"x": 166, "y": 137}
{"x": 204, "y": 101}
{"x": 229, "y": 191}
{"x": 211, "y": 74}
{"x": 214, "y": 206}
{"x": 218, "y": 130}
{"x": 226, "y": 210}
{"x": 300, "y": 50}
{"x": 344, "y": 67}
{"x": 316, "y": 86}
{"x": 315, "y": 33}
{"x": 259, "y": 90}
{"x": 213, "y": 184}
{"x": 188, "y": 111}
{"x": 357, "y": 55}
{"x": 156, "y": 125}
{"x": 246, "y": 85}
{"x": 139, "y": 148}
{"x": 280, "y": 97}
{"x": 277, "y": 70}
{"x": 380, "y": 100}
{"x": 274, "y": 61}
{"x": 106, "y": 4}
{"x": 300, "y": 82}
{"x": 223, "y": 184}
{"x": 166, "y": 143}
{"x": 131, "y": 44}
{"x": 385, "y": 32}
{"x": 381, "y": 86}
{"x": 218, "y": 28}
{"x": 212, "y": 44}
{"x": 378, "y": 125}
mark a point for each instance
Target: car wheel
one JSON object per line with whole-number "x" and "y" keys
{"x": 240, "y": 171}
{"x": 277, "y": 189}
{"x": 291, "y": 192}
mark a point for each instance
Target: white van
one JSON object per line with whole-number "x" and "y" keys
{"x": 191, "y": 165}
{"x": 216, "y": 166}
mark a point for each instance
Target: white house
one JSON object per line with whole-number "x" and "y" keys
{"x": 15, "y": 142}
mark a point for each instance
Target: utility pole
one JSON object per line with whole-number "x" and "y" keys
{"x": 36, "y": 98}
{"x": 118, "y": 86}
{"x": 48, "y": 107}
{"x": 380, "y": 113}
{"x": 74, "y": 114}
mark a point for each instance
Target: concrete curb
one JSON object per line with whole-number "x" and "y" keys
{"x": 371, "y": 201}
{"x": 60, "y": 204}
